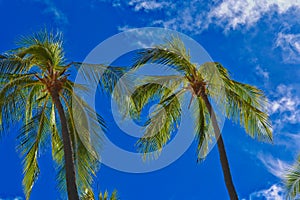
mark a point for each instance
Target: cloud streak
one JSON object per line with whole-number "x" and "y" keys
{"x": 58, "y": 16}
{"x": 275, "y": 166}
{"x": 11, "y": 198}
{"x": 147, "y": 5}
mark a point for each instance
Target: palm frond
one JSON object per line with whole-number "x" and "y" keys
{"x": 12, "y": 99}
{"x": 159, "y": 128}
{"x": 172, "y": 54}
{"x": 292, "y": 181}
{"x": 247, "y": 105}
{"x": 14, "y": 64}
{"x": 203, "y": 128}
{"x": 86, "y": 138}
{"x": 89, "y": 195}
{"x": 33, "y": 137}
{"x": 43, "y": 46}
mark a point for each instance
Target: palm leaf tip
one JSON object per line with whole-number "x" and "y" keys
{"x": 292, "y": 181}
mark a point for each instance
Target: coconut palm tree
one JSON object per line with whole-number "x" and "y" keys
{"x": 89, "y": 195}
{"x": 240, "y": 102}
{"x": 292, "y": 181}
{"x": 35, "y": 90}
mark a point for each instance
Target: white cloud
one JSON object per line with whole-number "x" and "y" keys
{"x": 147, "y": 5}
{"x": 285, "y": 107}
{"x": 52, "y": 10}
{"x": 275, "y": 192}
{"x": 290, "y": 46}
{"x": 232, "y": 13}
{"x": 261, "y": 72}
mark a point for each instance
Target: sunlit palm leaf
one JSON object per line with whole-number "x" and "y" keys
{"x": 172, "y": 54}
{"x": 292, "y": 181}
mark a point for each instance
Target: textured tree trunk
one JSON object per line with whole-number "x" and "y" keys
{"x": 222, "y": 152}
{"x": 68, "y": 151}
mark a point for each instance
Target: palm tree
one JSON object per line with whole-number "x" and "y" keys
{"x": 292, "y": 180}
{"x": 89, "y": 195}
{"x": 241, "y": 102}
{"x": 35, "y": 90}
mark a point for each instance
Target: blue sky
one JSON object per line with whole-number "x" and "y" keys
{"x": 258, "y": 41}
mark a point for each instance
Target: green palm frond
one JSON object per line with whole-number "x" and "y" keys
{"x": 106, "y": 76}
{"x": 203, "y": 128}
{"x": 110, "y": 80}
{"x": 244, "y": 103}
{"x": 292, "y": 181}
{"x": 247, "y": 105}
{"x": 163, "y": 120}
{"x": 33, "y": 138}
{"x": 144, "y": 94}
{"x": 44, "y": 47}
{"x": 12, "y": 94}
{"x": 105, "y": 196}
{"x": 85, "y": 136}
{"x": 89, "y": 195}
{"x": 14, "y": 64}
{"x": 153, "y": 87}
{"x": 172, "y": 54}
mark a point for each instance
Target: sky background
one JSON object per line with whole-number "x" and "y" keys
{"x": 257, "y": 40}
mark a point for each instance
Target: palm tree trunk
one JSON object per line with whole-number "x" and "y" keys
{"x": 222, "y": 152}
{"x": 68, "y": 152}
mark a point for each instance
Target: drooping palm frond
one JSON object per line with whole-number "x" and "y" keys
{"x": 247, "y": 105}
{"x": 106, "y": 76}
{"x": 292, "y": 181}
{"x": 163, "y": 120}
{"x": 33, "y": 138}
{"x": 86, "y": 135}
{"x": 109, "y": 80}
{"x": 13, "y": 92}
{"x": 203, "y": 128}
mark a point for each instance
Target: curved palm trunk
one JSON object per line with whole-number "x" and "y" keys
{"x": 222, "y": 152}
{"x": 68, "y": 152}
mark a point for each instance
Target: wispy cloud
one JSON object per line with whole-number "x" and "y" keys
{"x": 290, "y": 46}
{"x": 196, "y": 16}
{"x": 289, "y": 140}
{"x": 147, "y": 5}
{"x": 262, "y": 72}
{"x": 58, "y": 16}
{"x": 275, "y": 166}
{"x": 11, "y": 198}
{"x": 275, "y": 192}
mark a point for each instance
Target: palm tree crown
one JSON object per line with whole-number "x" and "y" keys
{"x": 240, "y": 102}
{"x": 35, "y": 90}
